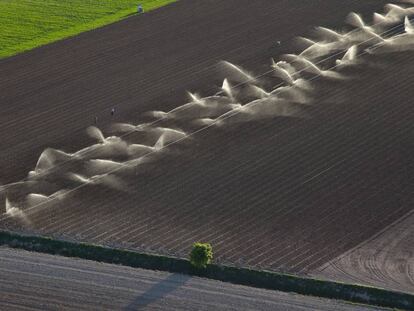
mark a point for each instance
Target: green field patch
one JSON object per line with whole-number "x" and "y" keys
{"x": 26, "y": 24}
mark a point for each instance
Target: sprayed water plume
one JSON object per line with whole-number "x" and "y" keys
{"x": 329, "y": 35}
{"x": 398, "y": 43}
{"x": 151, "y": 133}
{"x": 305, "y": 65}
{"x": 393, "y": 14}
{"x": 236, "y": 73}
{"x": 227, "y": 89}
{"x": 48, "y": 159}
{"x": 294, "y": 94}
{"x": 16, "y": 212}
{"x": 408, "y": 26}
{"x": 284, "y": 71}
{"x": 332, "y": 41}
{"x": 261, "y": 109}
{"x": 194, "y": 97}
{"x": 110, "y": 161}
{"x": 349, "y": 58}
{"x": 108, "y": 147}
{"x": 106, "y": 180}
{"x": 398, "y": 11}
{"x": 99, "y": 167}
{"x": 356, "y": 20}
{"x": 208, "y": 107}
{"x": 38, "y": 199}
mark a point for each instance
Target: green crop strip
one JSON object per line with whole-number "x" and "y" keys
{"x": 26, "y": 24}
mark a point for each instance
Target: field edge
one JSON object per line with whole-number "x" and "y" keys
{"x": 261, "y": 279}
{"x": 74, "y": 31}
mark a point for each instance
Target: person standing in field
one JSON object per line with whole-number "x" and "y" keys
{"x": 112, "y": 111}
{"x": 140, "y": 9}
{"x": 96, "y": 120}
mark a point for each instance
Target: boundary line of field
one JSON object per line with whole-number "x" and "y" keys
{"x": 370, "y": 240}
{"x": 71, "y": 32}
{"x": 242, "y": 276}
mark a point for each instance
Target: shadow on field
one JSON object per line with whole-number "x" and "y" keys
{"x": 158, "y": 291}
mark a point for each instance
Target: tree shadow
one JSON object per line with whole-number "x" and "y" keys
{"x": 158, "y": 291}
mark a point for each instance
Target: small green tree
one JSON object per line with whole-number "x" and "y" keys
{"x": 201, "y": 254}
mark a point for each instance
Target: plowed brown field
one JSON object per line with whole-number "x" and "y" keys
{"x": 38, "y": 281}
{"x": 284, "y": 194}
{"x": 387, "y": 260}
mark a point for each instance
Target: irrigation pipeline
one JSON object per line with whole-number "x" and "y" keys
{"x": 218, "y": 119}
{"x": 150, "y": 124}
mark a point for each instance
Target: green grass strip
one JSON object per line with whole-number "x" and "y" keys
{"x": 26, "y": 24}
{"x": 262, "y": 279}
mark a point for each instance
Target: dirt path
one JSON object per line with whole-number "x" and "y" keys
{"x": 32, "y": 281}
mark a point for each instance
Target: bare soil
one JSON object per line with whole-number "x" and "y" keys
{"x": 33, "y": 281}
{"x": 283, "y": 194}
{"x": 387, "y": 260}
